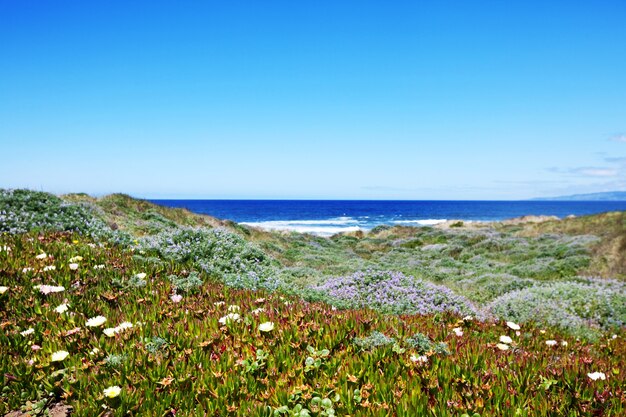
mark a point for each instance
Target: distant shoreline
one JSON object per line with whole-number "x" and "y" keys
{"x": 329, "y": 217}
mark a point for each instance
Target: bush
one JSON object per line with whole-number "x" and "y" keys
{"x": 581, "y": 308}
{"x": 374, "y": 340}
{"x": 488, "y": 286}
{"x": 224, "y": 255}
{"x": 23, "y": 211}
{"x": 392, "y": 292}
{"x": 188, "y": 284}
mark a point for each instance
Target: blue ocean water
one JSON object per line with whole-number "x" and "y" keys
{"x": 327, "y": 217}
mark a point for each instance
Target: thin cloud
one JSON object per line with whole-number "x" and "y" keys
{"x": 621, "y": 137}
{"x": 586, "y": 171}
{"x": 616, "y": 160}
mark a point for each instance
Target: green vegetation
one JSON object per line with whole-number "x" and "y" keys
{"x": 119, "y": 307}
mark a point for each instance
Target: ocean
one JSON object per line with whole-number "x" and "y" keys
{"x": 327, "y": 217}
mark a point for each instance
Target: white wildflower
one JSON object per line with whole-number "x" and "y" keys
{"x": 232, "y": 317}
{"x": 62, "y": 308}
{"x": 268, "y": 326}
{"x": 112, "y": 392}
{"x": 423, "y": 359}
{"x": 59, "y": 355}
{"x": 109, "y": 331}
{"x": 28, "y": 331}
{"x": 47, "y": 289}
{"x": 96, "y": 321}
{"x": 597, "y": 375}
{"x": 506, "y": 339}
{"x": 513, "y": 325}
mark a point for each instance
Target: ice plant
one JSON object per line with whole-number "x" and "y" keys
{"x": 112, "y": 331}
{"x": 551, "y": 342}
{"x": 176, "y": 298}
{"x": 76, "y": 259}
{"x": 502, "y": 346}
{"x": 96, "y": 321}
{"x": 28, "y": 331}
{"x": 59, "y": 356}
{"x": 506, "y": 339}
{"x": 422, "y": 359}
{"x": 512, "y": 325}
{"x": 109, "y": 331}
{"x": 597, "y": 375}
{"x": 42, "y": 255}
{"x": 73, "y": 266}
{"x": 47, "y": 289}
{"x": 230, "y": 317}
{"x": 3, "y": 290}
{"x": 62, "y": 308}
{"x": 268, "y": 326}
{"x": 112, "y": 392}
{"x": 141, "y": 275}
{"x": 49, "y": 268}
{"x": 457, "y": 331}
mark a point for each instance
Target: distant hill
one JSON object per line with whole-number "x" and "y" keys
{"x": 608, "y": 196}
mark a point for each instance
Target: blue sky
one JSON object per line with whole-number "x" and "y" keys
{"x": 372, "y": 100}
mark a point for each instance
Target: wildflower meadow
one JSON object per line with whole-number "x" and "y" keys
{"x": 215, "y": 322}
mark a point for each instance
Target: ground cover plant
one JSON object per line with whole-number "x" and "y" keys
{"x": 120, "y": 307}
{"x": 70, "y": 336}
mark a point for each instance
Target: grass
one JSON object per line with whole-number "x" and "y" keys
{"x": 206, "y": 317}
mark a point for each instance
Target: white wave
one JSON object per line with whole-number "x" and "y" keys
{"x": 339, "y": 221}
{"x": 313, "y": 228}
{"x": 425, "y": 222}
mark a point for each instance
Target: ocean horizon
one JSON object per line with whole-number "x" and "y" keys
{"x": 327, "y": 217}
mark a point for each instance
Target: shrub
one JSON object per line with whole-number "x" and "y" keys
{"x": 392, "y": 292}
{"x": 488, "y": 286}
{"x": 374, "y": 340}
{"x": 222, "y": 254}
{"x": 186, "y": 284}
{"x": 581, "y": 308}
{"x": 23, "y": 211}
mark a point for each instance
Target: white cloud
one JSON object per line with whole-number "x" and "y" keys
{"x": 586, "y": 171}
{"x": 619, "y": 138}
{"x": 596, "y": 172}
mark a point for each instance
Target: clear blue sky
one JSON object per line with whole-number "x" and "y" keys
{"x": 314, "y": 99}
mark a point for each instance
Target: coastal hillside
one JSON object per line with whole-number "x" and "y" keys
{"x": 115, "y": 306}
